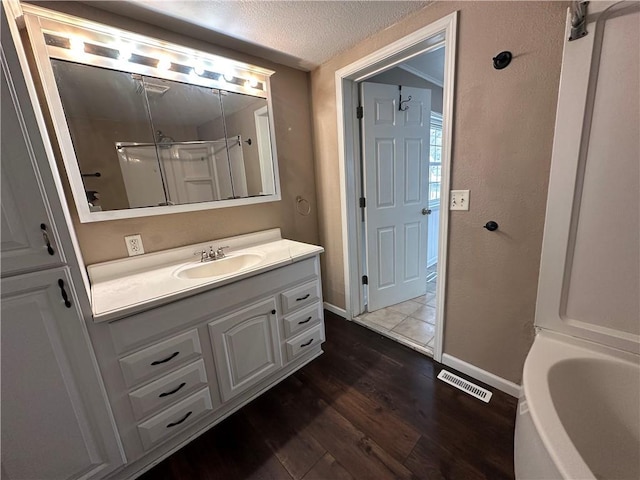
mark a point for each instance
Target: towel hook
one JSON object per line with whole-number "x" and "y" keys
{"x": 502, "y": 60}
{"x": 402, "y": 102}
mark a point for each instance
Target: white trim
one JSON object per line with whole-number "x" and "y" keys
{"x": 341, "y": 312}
{"x": 445, "y": 180}
{"x": 421, "y": 74}
{"x": 481, "y": 375}
{"x": 425, "y": 39}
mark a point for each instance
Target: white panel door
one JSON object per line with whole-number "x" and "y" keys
{"x": 190, "y": 171}
{"x": 590, "y": 268}
{"x": 48, "y": 427}
{"x": 395, "y": 152}
{"x": 26, "y": 225}
{"x": 432, "y": 242}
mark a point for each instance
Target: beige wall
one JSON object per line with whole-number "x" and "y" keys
{"x": 503, "y": 130}
{"x": 103, "y": 241}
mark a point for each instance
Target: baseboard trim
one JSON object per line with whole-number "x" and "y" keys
{"x": 489, "y": 378}
{"x": 337, "y": 310}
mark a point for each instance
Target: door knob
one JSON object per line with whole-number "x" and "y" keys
{"x": 426, "y": 211}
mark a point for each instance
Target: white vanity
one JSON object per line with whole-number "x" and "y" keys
{"x": 181, "y": 345}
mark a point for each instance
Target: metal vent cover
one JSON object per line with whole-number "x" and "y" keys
{"x": 464, "y": 385}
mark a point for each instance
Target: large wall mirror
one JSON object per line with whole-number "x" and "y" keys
{"x": 148, "y": 128}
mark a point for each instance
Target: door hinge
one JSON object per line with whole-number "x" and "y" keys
{"x": 365, "y": 280}
{"x": 359, "y": 112}
{"x": 363, "y": 202}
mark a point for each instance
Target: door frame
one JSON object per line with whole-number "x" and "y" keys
{"x": 428, "y": 38}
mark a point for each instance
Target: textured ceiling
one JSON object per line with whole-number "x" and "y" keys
{"x": 301, "y": 34}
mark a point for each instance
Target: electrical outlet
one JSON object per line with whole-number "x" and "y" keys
{"x": 459, "y": 200}
{"x": 134, "y": 245}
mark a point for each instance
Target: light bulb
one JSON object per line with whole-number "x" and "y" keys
{"x": 124, "y": 53}
{"x": 163, "y": 64}
{"x": 252, "y": 82}
{"x": 228, "y": 76}
{"x": 77, "y": 45}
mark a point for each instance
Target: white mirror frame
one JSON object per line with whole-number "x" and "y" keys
{"x": 39, "y": 21}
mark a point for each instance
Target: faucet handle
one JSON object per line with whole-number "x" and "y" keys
{"x": 202, "y": 253}
{"x": 220, "y": 252}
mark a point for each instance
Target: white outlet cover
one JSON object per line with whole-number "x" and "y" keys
{"x": 134, "y": 245}
{"x": 459, "y": 200}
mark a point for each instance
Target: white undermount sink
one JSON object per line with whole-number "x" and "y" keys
{"x": 224, "y": 266}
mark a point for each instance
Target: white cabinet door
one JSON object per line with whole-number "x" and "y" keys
{"x": 29, "y": 240}
{"x": 246, "y": 347}
{"x": 53, "y": 410}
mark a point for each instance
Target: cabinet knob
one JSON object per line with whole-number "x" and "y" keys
{"x": 273, "y": 312}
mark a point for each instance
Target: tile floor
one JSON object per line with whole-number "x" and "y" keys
{"x": 411, "y": 323}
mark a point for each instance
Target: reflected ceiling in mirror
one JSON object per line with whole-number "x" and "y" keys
{"x": 148, "y": 128}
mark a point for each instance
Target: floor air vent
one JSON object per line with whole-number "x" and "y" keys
{"x": 466, "y": 386}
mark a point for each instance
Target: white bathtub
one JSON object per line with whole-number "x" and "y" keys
{"x": 579, "y": 413}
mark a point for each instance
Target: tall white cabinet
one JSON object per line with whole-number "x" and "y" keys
{"x": 56, "y": 422}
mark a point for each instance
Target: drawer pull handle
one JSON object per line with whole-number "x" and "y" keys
{"x": 166, "y": 394}
{"x": 45, "y": 237}
{"x": 63, "y": 292}
{"x": 180, "y": 421}
{"x": 303, "y": 298}
{"x": 170, "y": 357}
{"x": 306, "y": 344}
{"x": 305, "y": 321}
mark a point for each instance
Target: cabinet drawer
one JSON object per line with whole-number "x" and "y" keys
{"x": 300, "y": 296}
{"x": 301, "y": 320}
{"x": 160, "y": 357}
{"x": 168, "y": 389}
{"x": 305, "y": 342}
{"x": 174, "y": 419}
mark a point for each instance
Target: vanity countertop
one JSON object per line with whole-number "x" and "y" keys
{"x": 127, "y": 286}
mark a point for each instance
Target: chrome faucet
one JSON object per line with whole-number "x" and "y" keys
{"x": 211, "y": 255}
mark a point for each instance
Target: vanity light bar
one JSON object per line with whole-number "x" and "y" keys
{"x": 80, "y": 47}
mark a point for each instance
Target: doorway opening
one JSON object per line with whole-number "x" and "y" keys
{"x": 395, "y": 115}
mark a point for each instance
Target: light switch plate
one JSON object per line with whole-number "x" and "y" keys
{"x": 459, "y": 200}
{"x": 134, "y": 244}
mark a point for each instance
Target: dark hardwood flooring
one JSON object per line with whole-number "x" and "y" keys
{"x": 368, "y": 408}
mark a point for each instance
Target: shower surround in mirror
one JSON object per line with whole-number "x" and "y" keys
{"x": 159, "y": 142}
{"x": 147, "y": 127}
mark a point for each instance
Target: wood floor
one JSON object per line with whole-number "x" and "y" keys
{"x": 368, "y": 409}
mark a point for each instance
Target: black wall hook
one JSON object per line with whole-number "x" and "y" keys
{"x": 491, "y": 226}
{"x": 502, "y": 60}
